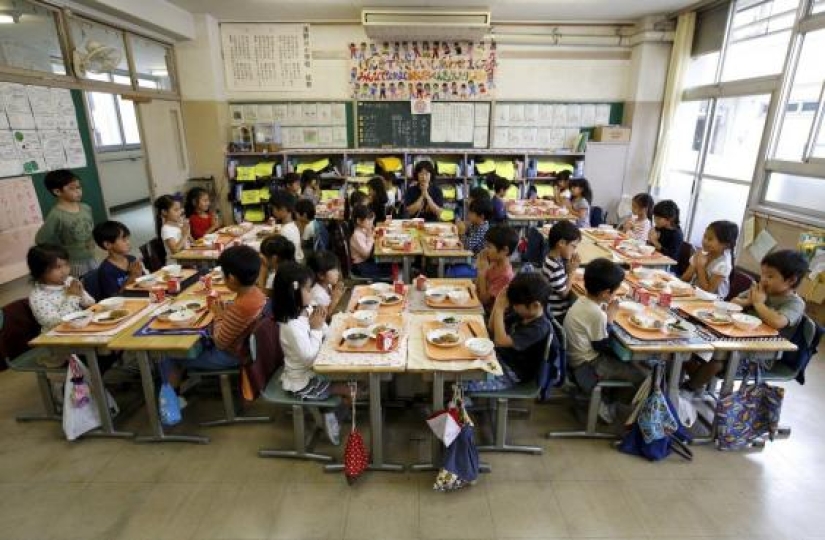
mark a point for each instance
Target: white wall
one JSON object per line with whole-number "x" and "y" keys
{"x": 123, "y": 177}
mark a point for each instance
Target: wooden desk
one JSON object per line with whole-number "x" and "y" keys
{"x": 443, "y": 255}
{"x": 417, "y": 300}
{"x": 384, "y": 255}
{"x": 210, "y": 256}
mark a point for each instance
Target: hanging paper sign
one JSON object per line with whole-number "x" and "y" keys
{"x": 422, "y": 106}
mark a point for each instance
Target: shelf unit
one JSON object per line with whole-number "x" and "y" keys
{"x": 347, "y": 175}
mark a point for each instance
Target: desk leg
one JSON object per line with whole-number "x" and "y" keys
{"x": 441, "y": 267}
{"x": 99, "y": 391}
{"x": 150, "y": 397}
{"x": 675, "y": 373}
{"x": 406, "y": 264}
{"x": 377, "y": 425}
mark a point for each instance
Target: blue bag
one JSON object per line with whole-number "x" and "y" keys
{"x": 168, "y": 404}
{"x": 552, "y": 372}
{"x": 460, "y": 270}
{"x": 461, "y": 462}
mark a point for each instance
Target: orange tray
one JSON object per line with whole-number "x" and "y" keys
{"x": 457, "y": 352}
{"x": 578, "y": 287}
{"x": 186, "y": 274}
{"x": 371, "y": 345}
{"x": 623, "y": 320}
{"x": 432, "y": 229}
{"x": 132, "y": 306}
{"x": 682, "y": 294}
{"x": 727, "y": 330}
{"x": 446, "y": 244}
{"x": 600, "y": 237}
{"x": 472, "y": 303}
{"x": 364, "y": 290}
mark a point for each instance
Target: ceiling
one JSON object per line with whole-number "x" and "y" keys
{"x": 502, "y": 10}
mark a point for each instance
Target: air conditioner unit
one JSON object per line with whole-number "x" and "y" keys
{"x": 420, "y": 23}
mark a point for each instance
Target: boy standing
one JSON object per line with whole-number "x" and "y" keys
{"x": 493, "y": 263}
{"x": 561, "y": 263}
{"x": 69, "y": 223}
{"x": 283, "y": 209}
{"x": 119, "y": 269}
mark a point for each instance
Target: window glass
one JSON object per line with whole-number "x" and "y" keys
{"x": 804, "y": 95}
{"x": 735, "y": 136}
{"x": 819, "y": 6}
{"x": 717, "y": 200}
{"x": 151, "y": 63}
{"x": 29, "y": 39}
{"x": 678, "y": 187}
{"x": 799, "y": 191}
{"x": 129, "y": 119}
{"x": 104, "y": 119}
{"x": 702, "y": 70}
{"x": 98, "y": 50}
{"x": 759, "y": 37}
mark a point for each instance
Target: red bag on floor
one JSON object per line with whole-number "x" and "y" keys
{"x": 356, "y": 455}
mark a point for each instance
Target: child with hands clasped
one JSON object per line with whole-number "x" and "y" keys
{"x": 710, "y": 269}
{"x": 170, "y": 226}
{"x": 302, "y": 331}
{"x": 119, "y": 269}
{"x": 202, "y": 219}
{"x": 639, "y": 224}
{"x": 493, "y": 263}
{"x": 666, "y": 235}
{"x": 328, "y": 288}
{"x": 561, "y": 263}
{"x": 55, "y": 293}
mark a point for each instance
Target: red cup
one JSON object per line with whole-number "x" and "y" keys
{"x": 218, "y": 245}
{"x": 173, "y": 285}
{"x": 408, "y": 245}
{"x": 207, "y": 281}
{"x": 399, "y": 287}
{"x": 157, "y": 294}
{"x": 665, "y": 299}
{"x": 643, "y": 296}
{"x": 211, "y": 298}
{"x": 421, "y": 282}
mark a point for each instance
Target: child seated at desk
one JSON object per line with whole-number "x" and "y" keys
{"x": 710, "y": 269}
{"x": 119, "y": 269}
{"x": 499, "y": 186}
{"x": 520, "y": 329}
{"x": 587, "y": 326}
{"x": 328, "y": 288}
{"x": 493, "y": 263}
{"x": 773, "y": 299}
{"x": 362, "y": 244}
{"x": 55, "y": 294}
{"x": 561, "y": 263}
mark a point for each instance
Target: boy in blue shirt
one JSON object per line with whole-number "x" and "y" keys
{"x": 500, "y": 186}
{"x": 119, "y": 269}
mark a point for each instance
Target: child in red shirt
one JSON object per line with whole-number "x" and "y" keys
{"x": 494, "y": 269}
{"x": 202, "y": 220}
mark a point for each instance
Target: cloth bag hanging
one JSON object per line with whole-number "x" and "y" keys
{"x": 748, "y": 413}
{"x": 461, "y": 462}
{"x": 80, "y": 412}
{"x": 356, "y": 455}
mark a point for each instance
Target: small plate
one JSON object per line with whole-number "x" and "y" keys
{"x": 710, "y": 317}
{"x": 435, "y": 337}
{"x": 110, "y": 317}
{"x": 391, "y": 299}
{"x": 378, "y": 327}
{"x": 193, "y": 304}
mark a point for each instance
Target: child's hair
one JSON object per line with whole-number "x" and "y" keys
{"x": 478, "y": 193}
{"x": 526, "y": 288}
{"x": 57, "y": 180}
{"x": 424, "y": 165}
{"x": 279, "y": 246}
{"x": 241, "y": 262}
{"x": 667, "y": 209}
{"x": 562, "y": 176}
{"x": 283, "y": 200}
{"x": 645, "y": 201}
{"x": 287, "y": 299}
{"x": 376, "y": 184}
{"x": 162, "y": 204}
{"x": 502, "y": 236}
{"x": 190, "y": 205}
{"x": 360, "y": 212}
{"x": 291, "y": 178}
{"x": 305, "y": 207}
{"x": 322, "y": 262}
{"x": 726, "y": 232}
{"x": 497, "y": 183}
{"x": 356, "y": 198}
{"x": 582, "y": 183}
{"x": 482, "y": 207}
{"x": 109, "y": 231}
{"x": 563, "y": 230}
{"x": 789, "y": 263}
{"x": 602, "y": 275}
{"x": 43, "y": 257}
{"x": 308, "y": 176}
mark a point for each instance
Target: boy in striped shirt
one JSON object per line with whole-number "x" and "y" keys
{"x": 560, "y": 264}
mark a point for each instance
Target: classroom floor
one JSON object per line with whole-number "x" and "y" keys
{"x": 116, "y": 489}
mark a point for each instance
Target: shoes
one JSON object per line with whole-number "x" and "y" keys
{"x": 332, "y": 428}
{"x": 607, "y": 412}
{"x": 182, "y": 403}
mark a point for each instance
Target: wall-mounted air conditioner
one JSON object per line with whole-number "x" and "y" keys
{"x": 423, "y": 23}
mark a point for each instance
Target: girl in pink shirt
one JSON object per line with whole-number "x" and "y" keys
{"x": 361, "y": 245}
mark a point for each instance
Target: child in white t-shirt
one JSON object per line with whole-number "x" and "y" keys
{"x": 710, "y": 269}
{"x": 283, "y": 210}
{"x": 328, "y": 288}
{"x": 172, "y": 229}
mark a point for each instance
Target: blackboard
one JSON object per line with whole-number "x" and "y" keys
{"x": 391, "y": 124}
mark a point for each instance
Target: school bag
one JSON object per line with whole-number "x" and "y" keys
{"x": 806, "y": 337}
{"x": 748, "y": 413}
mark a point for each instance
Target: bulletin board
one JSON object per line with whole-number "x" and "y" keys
{"x": 24, "y": 200}
{"x": 296, "y": 124}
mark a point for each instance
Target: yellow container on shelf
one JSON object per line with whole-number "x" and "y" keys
{"x": 485, "y": 167}
{"x": 329, "y": 194}
{"x": 449, "y": 192}
{"x": 245, "y": 174}
{"x": 446, "y": 168}
{"x": 446, "y": 215}
{"x": 265, "y": 193}
{"x": 251, "y": 196}
{"x": 264, "y": 169}
{"x": 317, "y": 165}
{"x": 389, "y": 164}
{"x": 255, "y": 215}
{"x": 506, "y": 169}
{"x": 545, "y": 190}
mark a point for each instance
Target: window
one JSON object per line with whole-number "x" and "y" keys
{"x": 760, "y": 32}
{"x": 819, "y": 6}
{"x": 806, "y": 90}
{"x": 736, "y": 136}
{"x": 152, "y": 63}
{"x": 800, "y": 192}
{"x": 114, "y": 122}
{"x": 717, "y": 200}
{"x": 31, "y": 40}
{"x": 98, "y": 51}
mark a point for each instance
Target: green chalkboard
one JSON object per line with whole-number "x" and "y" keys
{"x": 391, "y": 124}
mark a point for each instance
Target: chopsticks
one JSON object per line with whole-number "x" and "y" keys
{"x": 472, "y": 330}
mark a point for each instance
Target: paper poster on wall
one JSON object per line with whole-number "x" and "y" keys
{"x": 531, "y": 114}
{"x": 588, "y": 115}
{"x": 30, "y": 150}
{"x": 267, "y": 56}
{"x": 15, "y": 100}
{"x": 236, "y": 115}
{"x": 325, "y": 113}
{"x": 279, "y": 113}
{"x": 250, "y": 114}
{"x": 574, "y": 116}
{"x": 502, "y": 114}
{"x": 53, "y": 152}
{"x": 516, "y": 114}
{"x": 480, "y": 135}
{"x": 437, "y": 70}
{"x": 309, "y": 114}
{"x": 294, "y": 114}
{"x": 559, "y": 115}
{"x": 73, "y": 146}
{"x": 339, "y": 137}
{"x": 602, "y": 115}
{"x": 4, "y": 120}
{"x": 482, "y": 114}
{"x": 10, "y": 163}
{"x": 265, "y": 114}
{"x": 339, "y": 114}
{"x": 20, "y": 218}
{"x": 325, "y": 137}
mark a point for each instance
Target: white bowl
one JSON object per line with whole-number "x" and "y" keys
{"x": 379, "y": 288}
{"x": 685, "y": 329}
{"x": 369, "y": 302}
{"x": 210, "y": 238}
{"x": 434, "y": 335}
{"x": 183, "y": 317}
{"x": 479, "y": 346}
{"x": 702, "y": 294}
{"x": 146, "y": 281}
{"x": 606, "y": 227}
{"x": 448, "y": 319}
{"x": 745, "y": 322}
{"x": 192, "y": 304}
{"x": 365, "y": 316}
{"x": 646, "y": 250}
{"x": 630, "y": 306}
{"x": 350, "y": 334}
{"x": 643, "y": 273}
{"x": 727, "y": 307}
{"x": 217, "y": 271}
{"x": 173, "y": 269}
{"x": 112, "y": 303}
{"x": 436, "y": 294}
{"x": 78, "y": 319}
{"x": 459, "y": 297}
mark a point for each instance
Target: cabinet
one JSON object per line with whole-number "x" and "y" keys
{"x": 604, "y": 166}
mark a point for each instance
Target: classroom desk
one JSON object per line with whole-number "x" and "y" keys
{"x": 525, "y": 212}
{"x": 157, "y": 346}
{"x": 208, "y": 257}
{"x": 417, "y": 300}
{"x": 443, "y": 255}
{"x": 441, "y": 372}
{"x": 386, "y": 255}
{"x": 376, "y": 368}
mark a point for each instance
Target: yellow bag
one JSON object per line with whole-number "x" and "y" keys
{"x": 329, "y": 194}
{"x": 549, "y": 167}
{"x": 365, "y": 168}
{"x": 545, "y": 190}
{"x": 513, "y": 193}
{"x": 446, "y": 168}
{"x": 251, "y": 196}
{"x": 389, "y": 164}
{"x": 449, "y": 192}
{"x": 486, "y": 166}
{"x": 506, "y": 169}
{"x": 255, "y": 215}
{"x": 245, "y": 174}
{"x": 264, "y": 169}
{"x": 316, "y": 166}
{"x": 446, "y": 215}
{"x": 265, "y": 194}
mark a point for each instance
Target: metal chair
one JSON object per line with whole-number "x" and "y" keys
{"x": 340, "y": 242}
{"x": 686, "y": 251}
{"x": 154, "y": 254}
{"x": 739, "y": 283}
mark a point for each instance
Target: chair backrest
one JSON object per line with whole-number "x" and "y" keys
{"x": 739, "y": 283}
{"x": 17, "y": 327}
{"x": 806, "y": 338}
{"x": 340, "y": 244}
{"x": 536, "y": 247}
{"x": 597, "y": 216}
{"x": 553, "y": 369}
{"x": 154, "y": 254}
{"x": 683, "y": 258}
{"x": 91, "y": 282}
{"x": 321, "y": 238}
{"x": 265, "y": 353}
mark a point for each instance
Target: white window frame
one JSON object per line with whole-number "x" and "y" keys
{"x": 112, "y": 147}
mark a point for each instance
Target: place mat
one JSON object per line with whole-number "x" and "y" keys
{"x": 365, "y": 290}
{"x": 438, "y": 229}
{"x": 623, "y": 320}
{"x": 100, "y": 330}
{"x": 445, "y": 244}
{"x": 450, "y": 282}
{"x": 147, "y": 330}
{"x": 372, "y": 345}
{"x": 328, "y": 356}
{"x": 578, "y": 286}
{"x": 199, "y": 290}
{"x": 655, "y": 259}
{"x": 204, "y": 319}
{"x": 132, "y": 305}
{"x": 472, "y": 303}
{"x": 662, "y": 276}
{"x": 457, "y": 352}
{"x": 600, "y": 237}
{"x": 727, "y": 330}
{"x": 386, "y": 248}
{"x": 185, "y": 275}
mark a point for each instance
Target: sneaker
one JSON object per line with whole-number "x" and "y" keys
{"x": 182, "y": 403}
{"x": 332, "y": 428}
{"x": 607, "y": 412}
